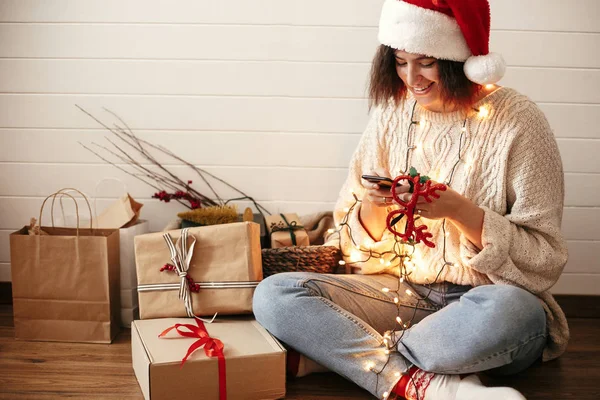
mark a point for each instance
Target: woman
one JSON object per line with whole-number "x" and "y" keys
{"x": 416, "y": 321}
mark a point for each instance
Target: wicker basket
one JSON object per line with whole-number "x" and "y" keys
{"x": 322, "y": 259}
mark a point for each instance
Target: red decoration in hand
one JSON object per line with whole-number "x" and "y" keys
{"x": 411, "y": 233}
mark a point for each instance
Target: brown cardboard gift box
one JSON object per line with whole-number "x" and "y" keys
{"x": 285, "y": 229}
{"x": 254, "y": 361}
{"x": 225, "y": 263}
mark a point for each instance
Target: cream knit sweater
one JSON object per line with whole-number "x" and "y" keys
{"x": 513, "y": 172}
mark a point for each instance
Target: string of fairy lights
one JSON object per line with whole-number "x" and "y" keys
{"x": 400, "y": 257}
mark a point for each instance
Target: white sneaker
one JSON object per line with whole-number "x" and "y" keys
{"x": 471, "y": 388}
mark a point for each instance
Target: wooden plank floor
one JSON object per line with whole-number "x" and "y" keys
{"x": 43, "y": 370}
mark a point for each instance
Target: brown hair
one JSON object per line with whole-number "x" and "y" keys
{"x": 386, "y": 86}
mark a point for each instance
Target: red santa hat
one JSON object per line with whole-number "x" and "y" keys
{"x": 457, "y": 30}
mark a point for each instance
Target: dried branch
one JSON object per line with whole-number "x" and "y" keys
{"x": 163, "y": 178}
{"x": 127, "y": 172}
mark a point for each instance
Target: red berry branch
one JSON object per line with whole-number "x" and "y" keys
{"x": 421, "y": 187}
{"x": 194, "y": 287}
{"x": 194, "y": 201}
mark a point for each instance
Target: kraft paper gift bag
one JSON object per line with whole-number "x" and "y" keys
{"x": 122, "y": 213}
{"x": 213, "y": 269}
{"x": 65, "y": 283}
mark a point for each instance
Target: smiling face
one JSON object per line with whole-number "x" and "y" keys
{"x": 421, "y": 77}
{"x": 437, "y": 84}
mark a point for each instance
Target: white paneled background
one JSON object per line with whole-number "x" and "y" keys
{"x": 267, "y": 94}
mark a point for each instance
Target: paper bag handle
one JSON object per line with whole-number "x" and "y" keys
{"x": 109, "y": 179}
{"x": 62, "y": 209}
{"x": 61, "y": 192}
{"x": 53, "y": 197}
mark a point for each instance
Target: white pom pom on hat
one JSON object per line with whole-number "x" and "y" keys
{"x": 457, "y": 30}
{"x": 485, "y": 69}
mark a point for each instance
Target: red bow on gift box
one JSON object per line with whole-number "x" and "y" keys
{"x": 212, "y": 347}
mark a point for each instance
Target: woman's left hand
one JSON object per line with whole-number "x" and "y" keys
{"x": 449, "y": 204}
{"x": 463, "y": 213}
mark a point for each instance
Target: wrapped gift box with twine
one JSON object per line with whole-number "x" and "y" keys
{"x": 285, "y": 230}
{"x": 198, "y": 271}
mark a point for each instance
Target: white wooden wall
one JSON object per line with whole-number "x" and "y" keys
{"x": 267, "y": 94}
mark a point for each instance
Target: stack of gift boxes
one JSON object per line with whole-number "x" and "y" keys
{"x": 193, "y": 288}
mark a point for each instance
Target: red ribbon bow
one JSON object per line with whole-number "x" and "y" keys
{"x": 212, "y": 347}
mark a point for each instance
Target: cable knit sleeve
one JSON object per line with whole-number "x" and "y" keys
{"x": 525, "y": 247}
{"x": 371, "y": 153}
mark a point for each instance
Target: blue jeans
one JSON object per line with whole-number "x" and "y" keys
{"x": 339, "y": 320}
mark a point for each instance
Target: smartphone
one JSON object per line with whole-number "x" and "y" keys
{"x": 382, "y": 181}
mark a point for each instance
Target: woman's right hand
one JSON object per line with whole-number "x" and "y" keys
{"x": 373, "y": 210}
{"x": 381, "y": 196}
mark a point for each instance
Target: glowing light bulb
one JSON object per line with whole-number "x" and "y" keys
{"x": 346, "y": 209}
{"x": 386, "y": 351}
{"x": 447, "y": 234}
{"x": 355, "y": 256}
{"x": 369, "y": 366}
{"x": 401, "y": 279}
{"x": 408, "y": 292}
{"x": 385, "y": 395}
{"x": 483, "y": 112}
{"x": 381, "y": 261}
{"x": 330, "y": 230}
{"x": 385, "y": 290}
{"x": 342, "y": 262}
{"x": 456, "y": 264}
{"x": 385, "y": 341}
{"x": 397, "y": 374}
{"x": 463, "y": 129}
{"x": 396, "y": 300}
{"x": 489, "y": 86}
{"x": 399, "y": 320}
{"x": 388, "y": 263}
{"x": 351, "y": 191}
